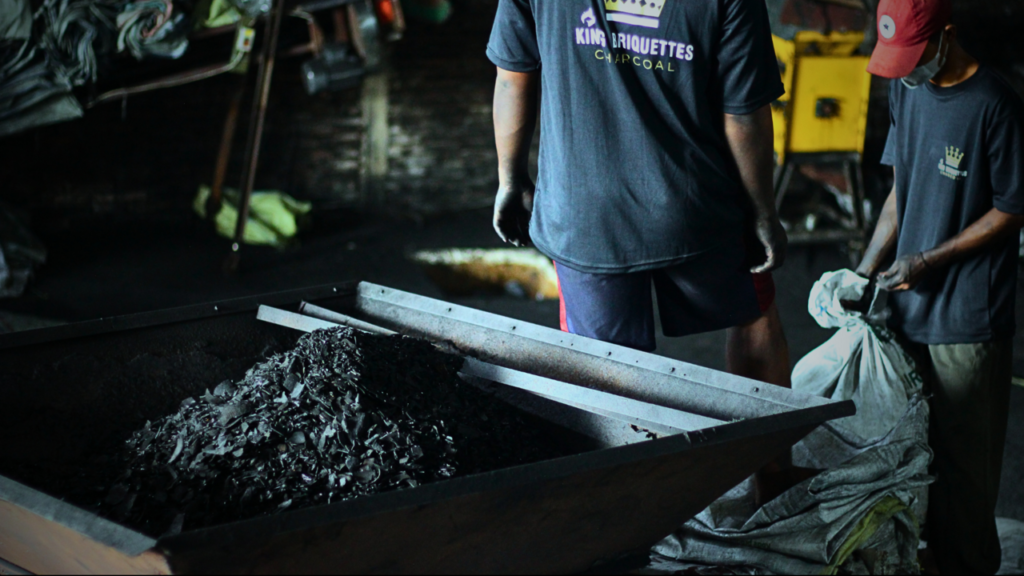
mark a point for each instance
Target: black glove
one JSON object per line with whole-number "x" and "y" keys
{"x": 772, "y": 236}
{"x": 512, "y": 208}
{"x": 905, "y": 273}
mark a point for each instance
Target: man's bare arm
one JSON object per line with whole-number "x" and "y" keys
{"x": 994, "y": 227}
{"x": 883, "y": 240}
{"x": 750, "y": 138}
{"x": 515, "y": 117}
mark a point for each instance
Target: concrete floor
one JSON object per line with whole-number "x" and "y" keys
{"x": 147, "y": 266}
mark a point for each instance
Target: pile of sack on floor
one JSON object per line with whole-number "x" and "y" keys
{"x": 862, "y": 514}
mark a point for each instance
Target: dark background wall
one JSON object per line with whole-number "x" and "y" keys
{"x": 146, "y": 158}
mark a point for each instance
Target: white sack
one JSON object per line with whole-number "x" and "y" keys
{"x": 874, "y": 488}
{"x": 861, "y": 362}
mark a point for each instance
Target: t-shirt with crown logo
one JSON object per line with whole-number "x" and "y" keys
{"x": 635, "y": 172}
{"x": 958, "y": 153}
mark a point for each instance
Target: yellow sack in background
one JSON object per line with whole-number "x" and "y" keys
{"x": 274, "y": 217}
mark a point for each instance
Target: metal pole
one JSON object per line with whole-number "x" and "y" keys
{"x": 782, "y": 184}
{"x": 257, "y": 116}
{"x": 213, "y": 205}
{"x": 860, "y": 219}
{"x": 168, "y": 82}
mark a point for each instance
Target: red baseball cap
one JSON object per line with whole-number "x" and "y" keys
{"x": 904, "y": 28}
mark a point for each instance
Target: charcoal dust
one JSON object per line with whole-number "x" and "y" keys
{"x": 344, "y": 414}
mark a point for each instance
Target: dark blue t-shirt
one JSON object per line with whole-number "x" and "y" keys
{"x": 958, "y": 152}
{"x": 634, "y": 170}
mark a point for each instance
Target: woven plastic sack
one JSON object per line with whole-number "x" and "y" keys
{"x": 873, "y": 490}
{"x": 860, "y": 362}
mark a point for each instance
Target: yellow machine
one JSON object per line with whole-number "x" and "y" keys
{"x": 825, "y": 108}
{"x": 821, "y": 120}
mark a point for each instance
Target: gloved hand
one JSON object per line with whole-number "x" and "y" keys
{"x": 512, "y": 208}
{"x": 772, "y": 236}
{"x": 863, "y": 304}
{"x": 905, "y": 273}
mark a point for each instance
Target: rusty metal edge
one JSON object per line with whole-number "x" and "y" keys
{"x": 103, "y": 531}
{"x": 8, "y": 568}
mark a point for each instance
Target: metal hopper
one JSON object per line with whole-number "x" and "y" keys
{"x": 666, "y": 438}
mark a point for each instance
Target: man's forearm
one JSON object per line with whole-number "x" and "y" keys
{"x": 515, "y": 117}
{"x": 883, "y": 240}
{"x": 750, "y": 138}
{"x": 993, "y": 227}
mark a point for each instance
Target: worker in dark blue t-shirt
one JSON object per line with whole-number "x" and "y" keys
{"x": 655, "y": 167}
{"x": 956, "y": 143}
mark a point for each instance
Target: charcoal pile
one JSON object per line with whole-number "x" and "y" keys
{"x": 342, "y": 415}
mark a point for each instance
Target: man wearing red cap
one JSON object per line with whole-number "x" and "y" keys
{"x": 956, "y": 144}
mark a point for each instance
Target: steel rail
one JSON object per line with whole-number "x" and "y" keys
{"x": 315, "y": 311}
{"x": 657, "y": 418}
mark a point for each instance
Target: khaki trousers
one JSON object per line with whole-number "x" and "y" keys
{"x": 969, "y": 385}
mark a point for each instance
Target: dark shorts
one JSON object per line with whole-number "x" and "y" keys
{"x": 709, "y": 292}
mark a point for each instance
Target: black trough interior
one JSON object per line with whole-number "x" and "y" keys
{"x": 68, "y": 405}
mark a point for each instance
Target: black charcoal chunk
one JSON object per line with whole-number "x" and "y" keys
{"x": 231, "y": 411}
{"x": 342, "y": 415}
{"x": 225, "y": 388}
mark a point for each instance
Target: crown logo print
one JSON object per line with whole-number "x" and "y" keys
{"x": 953, "y": 157}
{"x": 950, "y": 165}
{"x": 637, "y": 12}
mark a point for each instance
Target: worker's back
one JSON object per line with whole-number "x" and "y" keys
{"x": 634, "y": 168}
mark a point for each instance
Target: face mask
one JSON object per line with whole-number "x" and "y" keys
{"x": 926, "y": 71}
